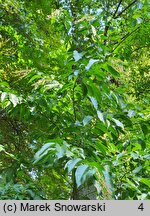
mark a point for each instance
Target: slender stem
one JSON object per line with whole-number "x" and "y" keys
{"x": 75, "y": 195}
{"x": 73, "y": 99}
{"x": 125, "y": 37}
{"x": 117, "y": 8}
{"x": 139, "y": 48}
{"x": 125, "y": 9}
{"x": 107, "y": 26}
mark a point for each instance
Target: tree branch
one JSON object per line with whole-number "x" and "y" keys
{"x": 125, "y": 37}
{"x": 75, "y": 194}
{"x": 125, "y": 9}
{"x": 106, "y": 31}
{"x": 135, "y": 50}
{"x": 107, "y": 25}
{"x": 73, "y": 100}
{"x": 117, "y": 8}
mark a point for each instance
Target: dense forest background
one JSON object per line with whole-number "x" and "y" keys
{"x": 74, "y": 99}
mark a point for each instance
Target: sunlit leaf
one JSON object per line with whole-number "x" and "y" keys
{"x": 112, "y": 71}
{"x": 83, "y": 172}
{"x": 43, "y": 151}
{"x": 108, "y": 179}
{"x": 2, "y": 148}
{"x": 3, "y": 96}
{"x": 87, "y": 119}
{"x": 91, "y": 62}
{"x": 93, "y": 30}
{"x": 79, "y": 173}
{"x": 14, "y": 99}
{"x": 72, "y": 163}
{"x": 100, "y": 116}
{"x": 118, "y": 123}
{"x": 145, "y": 181}
{"x": 35, "y": 77}
{"x": 94, "y": 102}
{"x": 77, "y": 56}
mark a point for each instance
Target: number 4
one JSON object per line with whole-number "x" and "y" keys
{"x": 141, "y": 207}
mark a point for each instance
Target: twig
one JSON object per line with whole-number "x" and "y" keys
{"x": 73, "y": 100}
{"x": 117, "y": 8}
{"x": 139, "y": 48}
{"x": 107, "y": 26}
{"x": 125, "y": 37}
{"x": 125, "y": 9}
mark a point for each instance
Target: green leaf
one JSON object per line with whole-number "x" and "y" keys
{"x": 93, "y": 90}
{"x": 84, "y": 89}
{"x": 93, "y": 30}
{"x": 101, "y": 147}
{"x": 3, "y": 96}
{"x": 145, "y": 181}
{"x": 91, "y": 62}
{"x": 14, "y": 99}
{"x": 83, "y": 173}
{"x": 145, "y": 128}
{"x": 87, "y": 119}
{"x": 132, "y": 185}
{"x": 2, "y": 148}
{"x": 60, "y": 151}
{"x": 102, "y": 127}
{"x": 108, "y": 179}
{"x": 137, "y": 169}
{"x": 35, "y": 77}
{"x": 100, "y": 116}
{"x": 79, "y": 173}
{"x": 72, "y": 163}
{"x": 112, "y": 71}
{"x": 77, "y": 56}
{"x": 118, "y": 123}
{"x": 142, "y": 143}
{"x": 43, "y": 151}
{"x": 96, "y": 165}
{"x": 94, "y": 102}
{"x": 4, "y": 84}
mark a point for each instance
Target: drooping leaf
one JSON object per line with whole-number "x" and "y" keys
{"x": 93, "y": 90}
{"x": 72, "y": 163}
{"x": 112, "y": 71}
{"x": 77, "y": 56}
{"x": 2, "y": 148}
{"x": 91, "y": 62}
{"x": 131, "y": 113}
{"x": 145, "y": 129}
{"x": 79, "y": 173}
{"x": 137, "y": 169}
{"x": 43, "y": 151}
{"x": 14, "y": 99}
{"x": 100, "y": 116}
{"x": 101, "y": 147}
{"x": 35, "y": 77}
{"x": 118, "y": 123}
{"x": 87, "y": 119}
{"x": 3, "y": 96}
{"x": 142, "y": 143}
{"x": 94, "y": 102}
{"x": 83, "y": 173}
{"x": 93, "y": 30}
{"x": 145, "y": 181}
{"x": 60, "y": 151}
{"x": 108, "y": 179}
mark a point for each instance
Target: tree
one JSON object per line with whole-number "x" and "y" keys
{"x": 71, "y": 122}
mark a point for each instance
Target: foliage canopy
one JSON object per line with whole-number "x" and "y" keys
{"x": 74, "y": 107}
